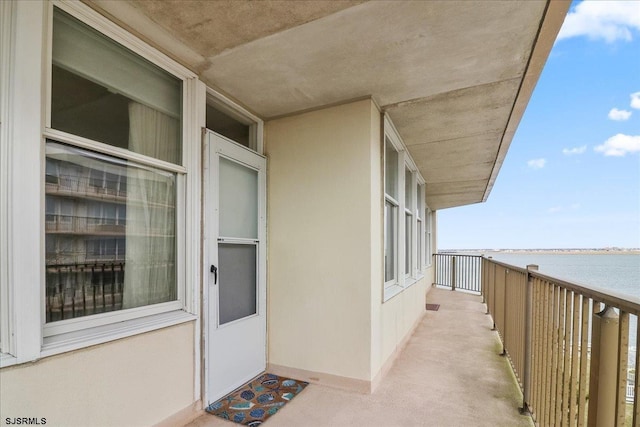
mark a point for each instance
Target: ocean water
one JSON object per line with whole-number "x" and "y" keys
{"x": 618, "y": 272}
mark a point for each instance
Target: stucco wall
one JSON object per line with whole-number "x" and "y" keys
{"x": 325, "y": 238}
{"x": 137, "y": 381}
{"x": 320, "y": 238}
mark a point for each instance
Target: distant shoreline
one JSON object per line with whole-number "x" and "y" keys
{"x": 632, "y": 251}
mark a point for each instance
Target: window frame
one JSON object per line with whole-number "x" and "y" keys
{"x": 405, "y": 209}
{"x": 78, "y": 324}
{"x": 428, "y": 253}
{"x": 393, "y": 286}
{"x": 7, "y": 55}
{"x": 410, "y": 270}
{"x": 421, "y": 227}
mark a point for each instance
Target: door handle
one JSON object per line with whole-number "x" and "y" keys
{"x": 214, "y": 270}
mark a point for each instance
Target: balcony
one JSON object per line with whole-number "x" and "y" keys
{"x": 449, "y": 374}
{"x": 506, "y": 350}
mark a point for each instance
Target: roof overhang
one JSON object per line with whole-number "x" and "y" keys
{"x": 454, "y": 76}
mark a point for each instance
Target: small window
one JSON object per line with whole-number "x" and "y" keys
{"x": 223, "y": 120}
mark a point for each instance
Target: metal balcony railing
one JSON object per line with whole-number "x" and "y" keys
{"x": 458, "y": 271}
{"x": 82, "y": 289}
{"x": 568, "y": 344}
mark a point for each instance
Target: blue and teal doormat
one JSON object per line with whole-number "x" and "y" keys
{"x": 253, "y": 403}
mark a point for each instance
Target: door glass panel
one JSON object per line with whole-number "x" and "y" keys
{"x": 238, "y": 200}
{"x": 237, "y": 271}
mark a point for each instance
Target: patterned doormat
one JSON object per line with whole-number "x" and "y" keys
{"x": 433, "y": 307}
{"x": 253, "y": 403}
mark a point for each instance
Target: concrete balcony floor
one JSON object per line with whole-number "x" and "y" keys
{"x": 449, "y": 374}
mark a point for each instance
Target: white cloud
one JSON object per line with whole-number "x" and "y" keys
{"x": 536, "y": 163}
{"x": 635, "y": 100}
{"x": 555, "y": 209}
{"x": 620, "y": 115}
{"x": 575, "y": 150}
{"x": 619, "y": 145}
{"x": 608, "y": 20}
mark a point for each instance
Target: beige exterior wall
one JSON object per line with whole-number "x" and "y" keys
{"x": 325, "y": 225}
{"x": 137, "y": 381}
{"x": 320, "y": 205}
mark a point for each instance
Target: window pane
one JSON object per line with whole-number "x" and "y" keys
{"x": 408, "y": 186}
{"x": 390, "y": 215}
{"x": 228, "y": 126}
{"x": 408, "y": 223}
{"x": 391, "y": 170}
{"x": 420, "y": 201}
{"x": 419, "y": 243}
{"x": 88, "y": 269}
{"x": 238, "y": 200}
{"x": 102, "y": 91}
{"x": 237, "y": 266}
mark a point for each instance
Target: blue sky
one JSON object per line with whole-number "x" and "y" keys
{"x": 571, "y": 178}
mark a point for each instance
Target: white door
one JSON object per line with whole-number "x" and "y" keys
{"x": 235, "y": 211}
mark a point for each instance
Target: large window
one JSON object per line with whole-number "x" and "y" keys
{"x": 404, "y": 221}
{"x": 111, "y": 192}
{"x": 99, "y": 182}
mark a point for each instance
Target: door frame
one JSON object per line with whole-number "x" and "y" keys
{"x": 209, "y": 227}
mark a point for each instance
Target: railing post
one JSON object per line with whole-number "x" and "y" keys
{"x": 528, "y": 337}
{"x": 453, "y": 273}
{"x": 482, "y": 289}
{"x": 604, "y": 362}
{"x": 488, "y": 285}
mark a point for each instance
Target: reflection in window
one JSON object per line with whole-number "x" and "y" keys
{"x": 112, "y": 252}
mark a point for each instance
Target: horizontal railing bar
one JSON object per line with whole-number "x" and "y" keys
{"x": 627, "y": 303}
{"x": 610, "y": 298}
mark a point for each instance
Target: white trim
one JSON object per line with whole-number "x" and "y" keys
{"x": 392, "y": 291}
{"x": 111, "y": 317}
{"x": 25, "y": 213}
{"x": 99, "y": 335}
{"x": 110, "y": 150}
{"x": 195, "y": 228}
{"x": 7, "y": 55}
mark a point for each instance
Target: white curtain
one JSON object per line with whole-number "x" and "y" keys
{"x": 150, "y": 269}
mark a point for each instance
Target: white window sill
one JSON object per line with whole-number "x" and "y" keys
{"x": 79, "y": 339}
{"x": 410, "y": 281}
{"x": 7, "y": 360}
{"x": 391, "y": 291}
